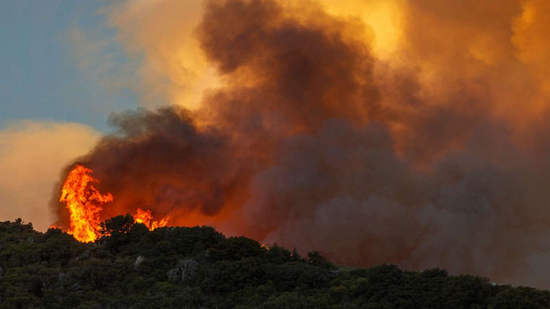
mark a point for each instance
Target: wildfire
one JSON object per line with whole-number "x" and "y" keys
{"x": 145, "y": 217}
{"x": 85, "y": 204}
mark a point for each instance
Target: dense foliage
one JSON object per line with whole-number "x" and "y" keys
{"x": 200, "y": 268}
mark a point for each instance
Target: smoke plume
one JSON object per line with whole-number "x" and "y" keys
{"x": 434, "y": 154}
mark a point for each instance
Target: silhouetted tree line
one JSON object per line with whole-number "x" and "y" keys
{"x": 197, "y": 267}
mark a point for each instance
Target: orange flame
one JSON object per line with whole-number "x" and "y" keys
{"x": 145, "y": 217}
{"x": 85, "y": 204}
{"x": 55, "y": 226}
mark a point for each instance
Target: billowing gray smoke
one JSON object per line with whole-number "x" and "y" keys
{"x": 313, "y": 143}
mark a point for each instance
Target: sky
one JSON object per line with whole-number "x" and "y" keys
{"x": 54, "y": 102}
{"x": 42, "y": 78}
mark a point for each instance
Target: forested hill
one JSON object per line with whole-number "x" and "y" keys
{"x": 200, "y": 268}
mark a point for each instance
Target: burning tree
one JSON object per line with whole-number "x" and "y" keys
{"x": 85, "y": 204}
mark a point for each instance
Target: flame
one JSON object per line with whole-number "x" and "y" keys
{"x": 145, "y": 217}
{"x": 56, "y": 226}
{"x": 85, "y": 204}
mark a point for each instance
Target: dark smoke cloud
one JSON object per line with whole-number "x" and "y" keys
{"x": 345, "y": 192}
{"x": 314, "y": 143}
{"x": 304, "y": 73}
{"x": 159, "y": 161}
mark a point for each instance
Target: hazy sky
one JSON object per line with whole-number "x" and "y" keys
{"x": 42, "y": 77}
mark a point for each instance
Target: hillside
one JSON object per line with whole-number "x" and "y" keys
{"x": 198, "y": 267}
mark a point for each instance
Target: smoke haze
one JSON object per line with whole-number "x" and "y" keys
{"x": 24, "y": 147}
{"x": 418, "y": 138}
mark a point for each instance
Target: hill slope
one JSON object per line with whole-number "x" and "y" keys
{"x": 200, "y": 268}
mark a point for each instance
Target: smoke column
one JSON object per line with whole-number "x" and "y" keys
{"x": 427, "y": 149}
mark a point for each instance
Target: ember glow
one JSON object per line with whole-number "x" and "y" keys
{"x": 85, "y": 204}
{"x": 145, "y": 217}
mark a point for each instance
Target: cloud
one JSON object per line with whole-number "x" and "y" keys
{"x": 172, "y": 70}
{"x": 31, "y": 155}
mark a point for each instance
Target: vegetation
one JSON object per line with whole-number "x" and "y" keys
{"x": 132, "y": 267}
